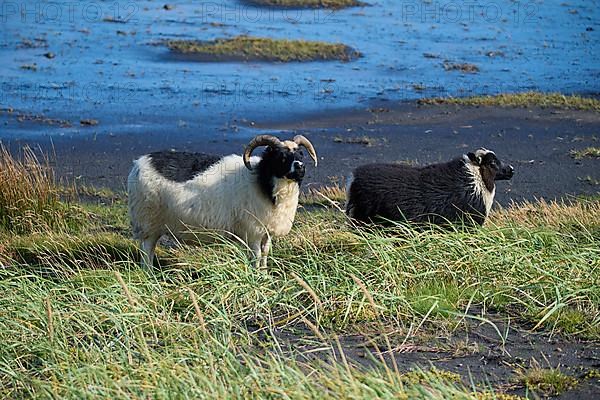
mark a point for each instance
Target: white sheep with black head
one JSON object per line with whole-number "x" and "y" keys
{"x": 252, "y": 198}
{"x": 459, "y": 191}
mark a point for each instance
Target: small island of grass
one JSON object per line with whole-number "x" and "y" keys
{"x": 247, "y": 48}
{"x": 333, "y": 4}
{"x": 526, "y": 99}
{"x": 588, "y": 152}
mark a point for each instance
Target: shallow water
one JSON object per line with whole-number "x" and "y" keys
{"x": 114, "y": 71}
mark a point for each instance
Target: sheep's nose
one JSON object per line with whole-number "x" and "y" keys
{"x": 298, "y": 165}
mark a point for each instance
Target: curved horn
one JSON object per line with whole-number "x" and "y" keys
{"x": 260, "y": 140}
{"x": 302, "y": 141}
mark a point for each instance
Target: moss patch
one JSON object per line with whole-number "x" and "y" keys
{"x": 526, "y": 99}
{"x": 588, "y": 152}
{"x": 548, "y": 381}
{"x": 249, "y": 48}
{"x": 334, "y": 4}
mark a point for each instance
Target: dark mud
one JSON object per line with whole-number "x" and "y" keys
{"x": 475, "y": 351}
{"x": 536, "y": 141}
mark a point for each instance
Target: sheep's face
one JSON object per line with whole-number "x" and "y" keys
{"x": 492, "y": 169}
{"x": 285, "y": 161}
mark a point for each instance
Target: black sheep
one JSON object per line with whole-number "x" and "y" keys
{"x": 461, "y": 190}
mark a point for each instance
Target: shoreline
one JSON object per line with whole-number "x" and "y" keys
{"x": 536, "y": 141}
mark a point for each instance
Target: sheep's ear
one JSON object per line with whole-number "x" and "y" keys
{"x": 474, "y": 159}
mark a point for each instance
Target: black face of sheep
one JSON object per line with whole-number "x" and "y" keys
{"x": 459, "y": 191}
{"x": 281, "y": 159}
{"x": 492, "y": 169}
{"x": 284, "y": 162}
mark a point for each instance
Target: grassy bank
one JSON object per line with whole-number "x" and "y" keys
{"x": 526, "y": 99}
{"x": 249, "y": 48}
{"x": 79, "y": 317}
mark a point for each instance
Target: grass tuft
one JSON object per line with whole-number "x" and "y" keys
{"x": 68, "y": 253}
{"x": 325, "y": 195}
{"x": 462, "y": 67}
{"x": 497, "y": 396}
{"x": 548, "y": 381}
{"x": 250, "y": 48}
{"x": 588, "y": 152}
{"x": 560, "y": 215}
{"x": 526, "y": 99}
{"x": 30, "y": 200}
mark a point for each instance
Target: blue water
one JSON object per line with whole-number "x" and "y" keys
{"x": 115, "y": 72}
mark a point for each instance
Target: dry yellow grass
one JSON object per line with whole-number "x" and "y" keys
{"x": 324, "y": 195}
{"x": 553, "y": 214}
{"x": 527, "y": 214}
{"x": 29, "y": 195}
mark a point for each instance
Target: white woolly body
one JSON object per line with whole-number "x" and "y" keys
{"x": 226, "y": 197}
{"x": 478, "y": 186}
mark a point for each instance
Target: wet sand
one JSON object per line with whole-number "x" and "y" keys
{"x": 536, "y": 141}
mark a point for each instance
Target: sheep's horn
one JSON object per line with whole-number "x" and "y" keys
{"x": 260, "y": 140}
{"x": 302, "y": 141}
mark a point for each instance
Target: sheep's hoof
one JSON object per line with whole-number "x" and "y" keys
{"x": 260, "y": 264}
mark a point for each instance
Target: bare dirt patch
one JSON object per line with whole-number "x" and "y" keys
{"x": 493, "y": 353}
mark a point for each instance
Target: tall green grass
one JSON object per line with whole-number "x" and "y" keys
{"x": 80, "y": 318}
{"x": 98, "y": 324}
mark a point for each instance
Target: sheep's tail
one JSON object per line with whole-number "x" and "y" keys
{"x": 133, "y": 199}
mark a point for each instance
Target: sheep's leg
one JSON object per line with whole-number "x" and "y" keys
{"x": 255, "y": 246}
{"x": 148, "y": 245}
{"x": 265, "y": 247}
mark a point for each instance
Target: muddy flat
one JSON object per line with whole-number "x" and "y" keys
{"x": 484, "y": 354}
{"x": 536, "y": 141}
